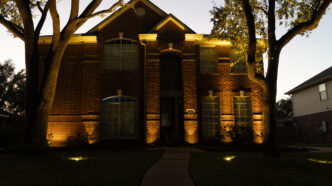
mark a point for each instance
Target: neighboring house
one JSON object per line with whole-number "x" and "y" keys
{"x": 312, "y": 108}
{"x": 142, "y": 75}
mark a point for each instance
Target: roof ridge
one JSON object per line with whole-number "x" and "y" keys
{"x": 321, "y": 76}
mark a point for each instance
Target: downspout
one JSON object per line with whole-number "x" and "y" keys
{"x": 144, "y": 45}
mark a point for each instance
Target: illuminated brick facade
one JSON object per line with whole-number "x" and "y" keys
{"x": 83, "y": 83}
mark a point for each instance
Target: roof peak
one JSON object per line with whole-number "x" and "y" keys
{"x": 117, "y": 13}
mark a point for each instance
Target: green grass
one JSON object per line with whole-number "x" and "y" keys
{"x": 53, "y": 168}
{"x": 253, "y": 168}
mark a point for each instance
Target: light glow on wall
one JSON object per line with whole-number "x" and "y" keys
{"x": 152, "y": 131}
{"x": 191, "y": 133}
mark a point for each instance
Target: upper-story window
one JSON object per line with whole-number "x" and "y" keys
{"x": 238, "y": 62}
{"x": 322, "y": 92}
{"x": 208, "y": 60}
{"x": 120, "y": 54}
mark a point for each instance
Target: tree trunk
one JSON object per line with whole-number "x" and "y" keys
{"x": 269, "y": 100}
{"x": 47, "y": 93}
{"x": 32, "y": 93}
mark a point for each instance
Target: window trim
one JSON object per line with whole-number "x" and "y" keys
{"x": 108, "y": 41}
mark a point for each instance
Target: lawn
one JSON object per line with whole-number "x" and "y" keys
{"x": 99, "y": 167}
{"x": 253, "y": 168}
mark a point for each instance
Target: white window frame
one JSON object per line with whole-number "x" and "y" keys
{"x": 322, "y": 91}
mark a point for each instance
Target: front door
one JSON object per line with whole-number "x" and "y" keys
{"x": 171, "y": 100}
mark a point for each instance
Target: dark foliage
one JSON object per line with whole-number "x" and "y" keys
{"x": 11, "y": 88}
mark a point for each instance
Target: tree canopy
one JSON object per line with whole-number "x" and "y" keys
{"x": 19, "y": 17}
{"x": 11, "y": 88}
{"x": 285, "y": 105}
{"x": 243, "y": 21}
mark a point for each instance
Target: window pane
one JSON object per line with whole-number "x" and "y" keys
{"x": 323, "y": 95}
{"x": 210, "y": 117}
{"x": 238, "y": 62}
{"x": 120, "y": 55}
{"x": 208, "y": 60}
{"x": 322, "y": 87}
{"x": 242, "y": 114}
{"x": 119, "y": 119}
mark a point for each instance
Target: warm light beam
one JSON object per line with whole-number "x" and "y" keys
{"x": 320, "y": 161}
{"x": 77, "y": 158}
{"x": 229, "y": 158}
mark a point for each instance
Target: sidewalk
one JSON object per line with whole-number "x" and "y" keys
{"x": 171, "y": 169}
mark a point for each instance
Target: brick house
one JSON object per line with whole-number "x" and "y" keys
{"x": 143, "y": 75}
{"x": 312, "y": 108}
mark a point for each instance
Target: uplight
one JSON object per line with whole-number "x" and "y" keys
{"x": 77, "y": 158}
{"x": 229, "y": 158}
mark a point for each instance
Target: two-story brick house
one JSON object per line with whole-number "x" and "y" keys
{"x": 312, "y": 108}
{"x": 143, "y": 75}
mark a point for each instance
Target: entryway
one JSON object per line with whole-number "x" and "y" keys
{"x": 171, "y": 100}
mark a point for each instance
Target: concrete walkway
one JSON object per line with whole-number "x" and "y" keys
{"x": 171, "y": 169}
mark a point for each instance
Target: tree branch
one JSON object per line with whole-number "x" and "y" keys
{"x": 262, "y": 9}
{"x": 251, "y": 64}
{"x": 12, "y": 27}
{"x": 56, "y": 23}
{"x": 42, "y": 20}
{"x": 74, "y": 9}
{"x": 305, "y": 26}
{"x": 109, "y": 10}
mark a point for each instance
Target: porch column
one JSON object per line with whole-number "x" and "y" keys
{"x": 190, "y": 98}
{"x": 152, "y": 99}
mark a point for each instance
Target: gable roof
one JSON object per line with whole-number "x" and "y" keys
{"x": 120, "y": 11}
{"x": 176, "y": 21}
{"x": 317, "y": 79}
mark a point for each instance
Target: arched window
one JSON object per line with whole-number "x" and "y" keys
{"x": 120, "y": 54}
{"x": 118, "y": 118}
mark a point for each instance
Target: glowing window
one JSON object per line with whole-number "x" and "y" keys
{"x": 242, "y": 114}
{"x": 322, "y": 92}
{"x": 208, "y": 60}
{"x": 238, "y": 62}
{"x": 118, "y": 118}
{"x": 120, "y": 54}
{"x": 210, "y": 117}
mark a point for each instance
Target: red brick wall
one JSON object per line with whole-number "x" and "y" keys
{"x": 82, "y": 83}
{"x": 308, "y": 128}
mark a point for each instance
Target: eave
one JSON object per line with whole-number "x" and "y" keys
{"x": 76, "y": 39}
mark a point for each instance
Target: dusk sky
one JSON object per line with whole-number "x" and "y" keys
{"x": 301, "y": 59}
